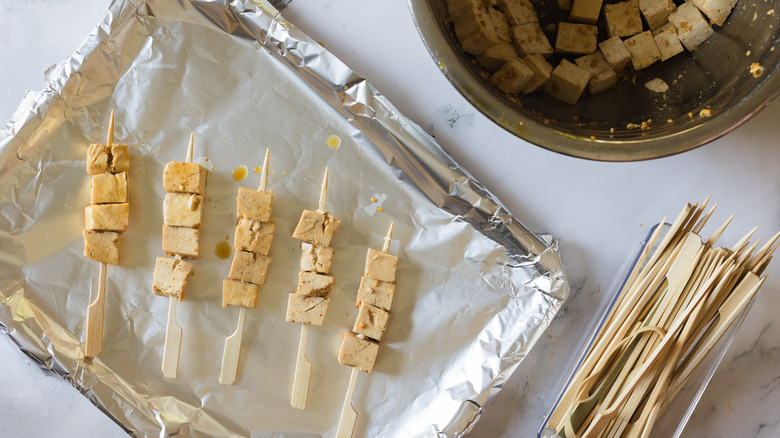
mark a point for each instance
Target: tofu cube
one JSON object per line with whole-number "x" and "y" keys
{"x": 656, "y": 12}
{"x": 170, "y": 277}
{"x": 358, "y": 352}
{"x": 254, "y": 236}
{"x": 108, "y": 188}
{"x": 475, "y": 31}
{"x": 615, "y": 52}
{"x": 119, "y": 160}
{"x": 102, "y": 246}
{"x": 249, "y": 267}
{"x": 97, "y": 159}
{"x": 255, "y": 204}
{"x": 239, "y": 293}
{"x": 623, "y": 18}
{"x": 518, "y": 11}
{"x": 567, "y": 81}
{"x": 312, "y": 284}
{"x": 667, "y": 42}
{"x": 457, "y": 7}
{"x": 512, "y": 77}
{"x": 316, "y": 258}
{"x": 183, "y": 241}
{"x": 107, "y": 217}
{"x": 380, "y": 266}
{"x": 495, "y": 57}
{"x": 692, "y": 28}
{"x": 306, "y": 309}
{"x": 716, "y": 10}
{"x": 371, "y": 321}
{"x": 542, "y": 70}
{"x": 529, "y": 38}
{"x": 602, "y": 76}
{"x": 576, "y": 38}
{"x": 375, "y": 292}
{"x": 585, "y": 11}
{"x": 185, "y": 177}
{"x": 183, "y": 210}
{"x": 500, "y": 24}
{"x": 643, "y": 50}
{"x": 316, "y": 227}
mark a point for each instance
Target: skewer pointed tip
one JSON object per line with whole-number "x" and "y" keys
{"x": 190, "y": 147}
{"x": 388, "y": 238}
{"x": 110, "y": 133}
{"x": 323, "y": 190}
{"x": 264, "y": 174}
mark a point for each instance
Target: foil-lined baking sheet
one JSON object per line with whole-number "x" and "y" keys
{"x": 475, "y": 288}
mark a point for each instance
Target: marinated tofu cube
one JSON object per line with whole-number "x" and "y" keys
{"x": 254, "y": 236}
{"x": 457, "y": 7}
{"x": 185, "y": 177}
{"x": 623, "y": 18}
{"x": 692, "y": 28}
{"x": 518, "y": 11}
{"x": 371, "y": 321}
{"x": 107, "y": 217}
{"x": 576, "y": 38}
{"x": 119, "y": 160}
{"x": 602, "y": 76}
{"x": 500, "y": 24}
{"x": 170, "y": 277}
{"x": 312, "y": 284}
{"x": 249, "y": 267}
{"x": 585, "y": 11}
{"x": 97, "y": 159}
{"x": 239, "y": 293}
{"x": 358, "y": 352}
{"x": 108, "y": 188}
{"x": 542, "y": 70}
{"x": 475, "y": 31}
{"x": 316, "y": 227}
{"x": 495, "y": 57}
{"x": 380, "y": 266}
{"x": 716, "y": 10}
{"x": 255, "y": 204}
{"x": 183, "y": 241}
{"x": 183, "y": 210}
{"x": 643, "y": 50}
{"x": 567, "y": 81}
{"x": 316, "y": 258}
{"x": 667, "y": 42}
{"x": 512, "y": 77}
{"x": 102, "y": 246}
{"x": 656, "y": 12}
{"x": 615, "y": 52}
{"x": 375, "y": 292}
{"x": 306, "y": 309}
{"x": 529, "y": 38}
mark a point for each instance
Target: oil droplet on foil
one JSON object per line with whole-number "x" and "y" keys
{"x": 334, "y": 141}
{"x": 223, "y": 249}
{"x": 239, "y": 173}
{"x": 258, "y": 169}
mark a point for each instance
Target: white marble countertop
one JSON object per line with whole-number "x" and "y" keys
{"x": 599, "y": 211}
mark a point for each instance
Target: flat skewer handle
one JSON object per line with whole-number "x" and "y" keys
{"x": 348, "y": 416}
{"x": 300, "y": 392}
{"x": 93, "y": 334}
{"x": 232, "y": 351}
{"x": 170, "y": 363}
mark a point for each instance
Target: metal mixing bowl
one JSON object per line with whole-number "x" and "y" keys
{"x": 715, "y": 77}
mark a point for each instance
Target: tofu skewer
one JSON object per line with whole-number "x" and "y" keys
{"x": 348, "y": 416}
{"x": 232, "y": 351}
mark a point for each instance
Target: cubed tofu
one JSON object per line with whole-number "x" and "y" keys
{"x": 239, "y": 293}
{"x": 576, "y": 38}
{"x": 108, "y": 188}
{"x": 185, "y": 178}
{"x": 518, "y": 11}
{"x": 102, "y": 246}
{"x": 312, "y": 284}
{"x": 183, "y": 210}
{"x": 567, "y": 81}
{"x": 375, "y": 292}
{"x": 306, "y": 310}
{"x": 656, "y": 12}
{"x": 602, "y": 76}
{"x": 692, "y": 28}
{"x": 496, "y": 56}
{"x": 615, "y": 52}
{"x": 119, "y": 160}
{"x": 643, "y": 50}
{"x": 316, "y": 258}
{"x": 170, "y": 277}
{"x": 716, "y": 10}
{"x": 358, "y": 352}
{"x": 249, "y": 267}
{"x": 585, "y": 11}
{"x": 667, "y": 42}
{"x": 316, "y": 227}
{"x": 97, "y": 159}
{"x": 107, "y": 217}
{"x": 254, "y": 236}
{"x": 457, "y": 7}
{"x": 183, "y": 241}
{"x": 541, "y": 69}
{"x": 529, "y": 38}
{"x": 380, "y": 266}
{"x": 475, "y": 31}
{"x": 371, "y": 321}
{"x": 623, "y": 19}
{"x": 512, "y": 77}
{"x": 255, "y": 204}
{"x": 500, "y": 24}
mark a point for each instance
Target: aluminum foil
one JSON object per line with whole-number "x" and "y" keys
{"x": 475, "y": 288}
